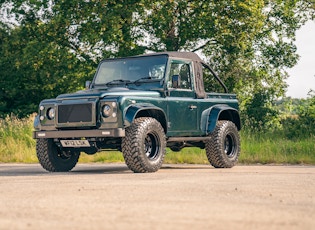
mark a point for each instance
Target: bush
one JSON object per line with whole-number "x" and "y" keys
{"x": 17, "y": 144}
{"x": 259, "y": 114}
{"x": 302, "y": 124}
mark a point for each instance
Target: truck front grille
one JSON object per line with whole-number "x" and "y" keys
{"x": 74, "y": 114}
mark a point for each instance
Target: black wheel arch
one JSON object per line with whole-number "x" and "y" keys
{"x": 231, "y": 115}
{"x": 212, "y": 115}
{"x": 145, "y": 110}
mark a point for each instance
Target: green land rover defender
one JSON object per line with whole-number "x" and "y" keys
{"x": 141, "y": 105}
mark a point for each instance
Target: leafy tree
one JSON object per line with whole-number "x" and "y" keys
{"x": 57, "y": 47}
{"x": 260, "y": 113}
{"x": 58, "y": 43}
{"x": 96, "y": 29}
{"x": 38, "y": 68}
{"x": 249, "y": 43}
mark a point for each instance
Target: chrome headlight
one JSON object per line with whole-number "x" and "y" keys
{"x": 107, "y": 110}
{"x": 51, "y": 113}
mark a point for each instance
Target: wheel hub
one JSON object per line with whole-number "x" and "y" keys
{"x": 151, "y": 146}
{"x": 229, "y": 146}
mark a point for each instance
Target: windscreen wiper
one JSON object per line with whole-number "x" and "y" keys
{"x": 119, "y": 81}
{"x": 142, "y": 79}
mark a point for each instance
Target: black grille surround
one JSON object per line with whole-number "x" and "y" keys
{"x": 77, "y": 114}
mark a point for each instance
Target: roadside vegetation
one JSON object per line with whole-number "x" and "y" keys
{"x": 288, "y": 138}
{"x": 16, "y": 142}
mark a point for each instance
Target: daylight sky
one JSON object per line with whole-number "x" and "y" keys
{"x": 302, "y": 76}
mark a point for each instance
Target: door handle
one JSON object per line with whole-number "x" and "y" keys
{"x": 191, "y": 107}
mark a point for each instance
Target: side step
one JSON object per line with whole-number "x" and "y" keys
{"x": 184, "y": 139}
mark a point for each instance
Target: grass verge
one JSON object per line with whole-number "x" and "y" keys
{"x": 274, "y": 148}
{"x": 17, "y": 145}
{"x": 16, "y": 142}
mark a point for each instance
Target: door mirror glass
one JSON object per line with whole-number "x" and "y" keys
{"x": 175, "y": 81}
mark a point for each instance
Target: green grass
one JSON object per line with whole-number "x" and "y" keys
{"x": 108, "y": 156}
{"x": 17, "y": 145}
{"x": 186, "y": 155}
{"x": 16, "y": 142}
{"x": 273, "y": 148}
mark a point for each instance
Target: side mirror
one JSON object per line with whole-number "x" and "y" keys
{"x": 175, "y": 81}
{"x": 87, "y": 84}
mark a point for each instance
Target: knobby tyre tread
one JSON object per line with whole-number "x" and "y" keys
{"x": 133, "y": 145}
{"x": 220, "y": 154}
{"x": 52, "y": 159}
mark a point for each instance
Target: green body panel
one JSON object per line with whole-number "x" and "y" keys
{"x": 186, "y": 115}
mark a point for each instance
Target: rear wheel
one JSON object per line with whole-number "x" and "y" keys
{"x": 53, "y": 159}
{"x": 223, "y": 147}
{"x": 144, "y": 145}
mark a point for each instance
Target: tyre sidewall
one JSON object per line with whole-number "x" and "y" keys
{"x": 150, "y": 128}
{"x": 215, "y": 147}
{"x": 133, "y": 145}
{"x": 49, "y": 156}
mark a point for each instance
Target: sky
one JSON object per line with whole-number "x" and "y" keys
{"x": 302, "y": 76}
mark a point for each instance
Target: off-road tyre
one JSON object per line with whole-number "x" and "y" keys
{"x": 52, "y": 159}
{"x": 144, "y": 145}
{"x": 224, "y": 146}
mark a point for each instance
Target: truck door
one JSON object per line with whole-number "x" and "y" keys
{"x": 181, "y": 102}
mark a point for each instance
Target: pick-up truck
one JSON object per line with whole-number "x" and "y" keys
{"x": 141, "y": 105}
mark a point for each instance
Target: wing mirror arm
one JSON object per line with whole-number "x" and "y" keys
{"x": 87, "y": 84}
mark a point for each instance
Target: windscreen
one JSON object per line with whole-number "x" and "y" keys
{"x": 131, "y": 69}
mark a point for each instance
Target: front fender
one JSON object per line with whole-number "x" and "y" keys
{"x": 133, "y": 110}
{"x": 210, "y": 116}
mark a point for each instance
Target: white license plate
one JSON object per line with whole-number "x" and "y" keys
{"x": 75, "y": 143}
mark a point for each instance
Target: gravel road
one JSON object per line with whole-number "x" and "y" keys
{"x": 109, "y": 196}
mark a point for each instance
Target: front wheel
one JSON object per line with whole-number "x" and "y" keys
{"x": 224, "y": 146}
{"x": 53, "y": 159}
{"x": 144, "y": 145}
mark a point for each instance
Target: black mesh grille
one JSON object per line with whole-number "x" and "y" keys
{"x": 75, "y": 113}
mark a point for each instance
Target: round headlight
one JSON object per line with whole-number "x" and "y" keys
{"x": 51, "y": 113}
{"x": 107, "y": 110}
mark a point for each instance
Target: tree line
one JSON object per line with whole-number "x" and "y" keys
{"x": 50, "y": 47}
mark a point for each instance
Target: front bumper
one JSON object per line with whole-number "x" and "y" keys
{"x": 119, "y": 132}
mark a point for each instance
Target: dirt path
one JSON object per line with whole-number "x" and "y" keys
{"x": 109, "y": 196}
